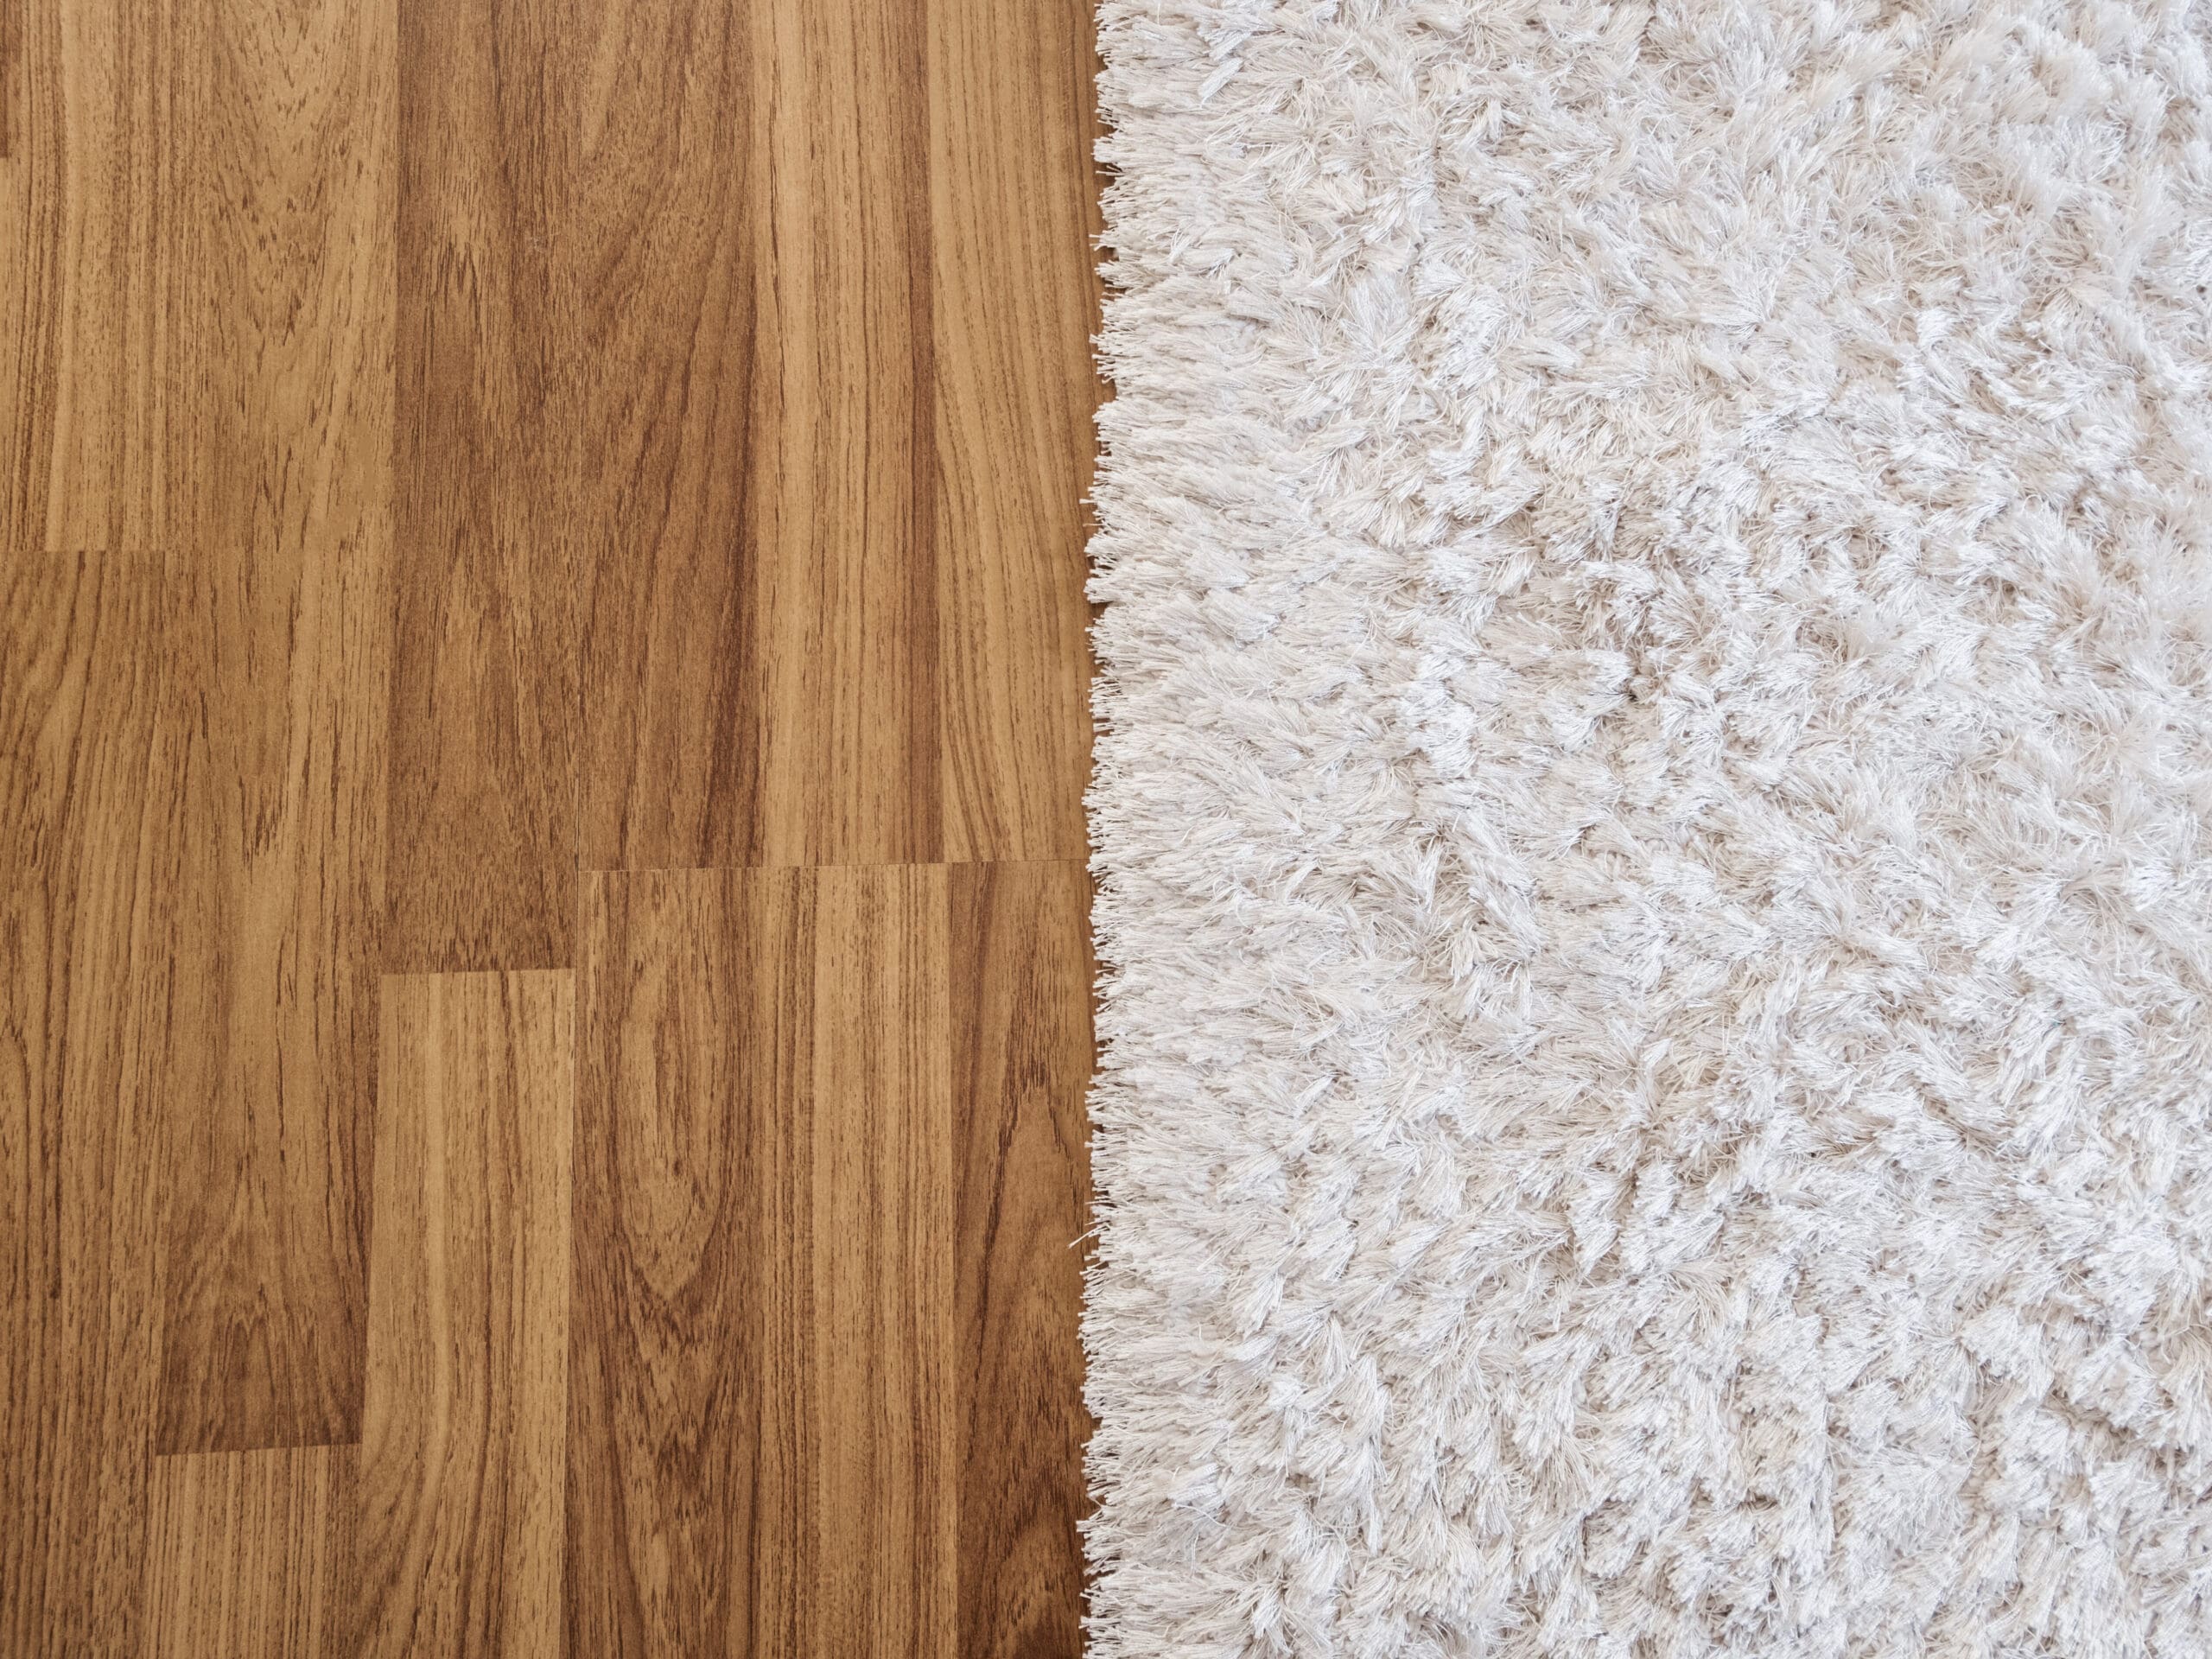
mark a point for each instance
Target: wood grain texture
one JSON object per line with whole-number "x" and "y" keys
{"x": 848, "y": 246}
{"x": 840, "y": 639}
{"x": 441, "y": 447}
{"x": 1013, "y": 204}
{"x": 481, "y": 867}
{"x": 677, "y": 1039}
{"x": 281, "y": 377}
{"x": 878, "y": 1228}
{"x": 803, "y": 587}
{"x": 276, "y": 656}
{"x": 1020, "y": 1024}
{"x": 203, "y": 283}
{"x": 462, "y": 1463}
{"x": 93, "y": 211}
{"x": 179, "y": 357}
{"x": 663, "y": 246}
{"x": 88, "y": 844}
{"x": 274, "y": 673}
{"x": 761, "y": 1438}
{"x": 11, "y": 90}
{"x": 249, "y": 1555}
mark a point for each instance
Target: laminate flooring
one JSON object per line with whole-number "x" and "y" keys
{"x": 544, "y": 990}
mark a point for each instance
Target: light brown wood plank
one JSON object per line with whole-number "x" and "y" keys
{"x": 462, "y": 1461}
{"x": 481, "y": 867}
{"x": 274, "y": 672}
{"x": 763, "y": 678}
{"x": 11, "y": 90}
{"x": 1021, "y": 976}
{"x": 761, "y": 1433}
{"x": 883, "y": 1307}
{"x": 249, "y": 1554}
{"x": 1014, "y": 200}
{"x": 92, "y": 214}
{"x": 840, "y": 639}
{"x": 92, "y": 222}
{"x": 681, "y": 1047}
{"x": 277, "y": 649}
{"x": 281, "y": 369}
{"x": 88, "y": 843}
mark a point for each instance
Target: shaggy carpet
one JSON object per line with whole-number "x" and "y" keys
{"x": 1652, "y": 820}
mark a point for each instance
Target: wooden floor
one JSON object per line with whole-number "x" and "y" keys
{"x": 543, "y": 987}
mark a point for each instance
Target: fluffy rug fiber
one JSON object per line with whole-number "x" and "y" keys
{"x": 1652, "y": 819}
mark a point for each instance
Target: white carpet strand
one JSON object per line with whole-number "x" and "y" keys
{"x": 1652, "y": 815}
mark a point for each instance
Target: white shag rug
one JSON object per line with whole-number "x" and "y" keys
{"x": 1652, "y": 816}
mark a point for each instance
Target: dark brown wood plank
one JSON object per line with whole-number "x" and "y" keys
{"x": 761, "y": 1433}
{"x": 662, "y": 244}
{"x": 481, "y": 867}
{"x": 89, "y": 838}
{"x": 276, "y": 657}
{"x": 1014, "y": 198}
{"x": 462, "y": 1461}
{"x": 763, "y": 676}
{"x": 1021, "y": 976}
{"x": 249, "y": 1555}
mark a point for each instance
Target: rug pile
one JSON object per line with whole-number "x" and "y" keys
{"x": 1654, "y": 821}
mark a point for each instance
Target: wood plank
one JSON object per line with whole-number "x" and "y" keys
{"x": 885, "y": 1557}
{"x": 249, "y": 1555}
{"x": 282, "y": 362}
{"x": 462, "y": 1461}
{"x": 1014, "y": 204}
{"x": 88, "y": 844}
{"x": 661, "y": 244}
{"x": 763, "y": 673}
{"x": 760, "y": 1437}
{"x": 837, "y": 444}
{"x": 274, "y": 672}
{"x": 276, "y": 659}
{"x": 480, "y": 870}
{"x": 1022, "y": 1061}
{"x": 680, "y": 1046}
{"x": 92, "y": 218}
{"x": 11, "y": 91}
